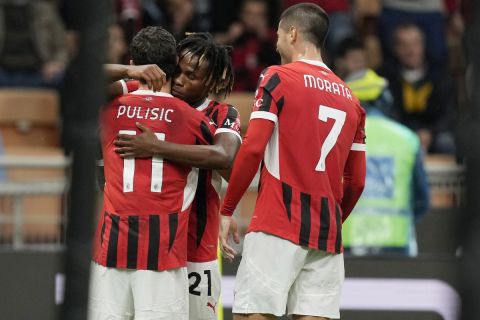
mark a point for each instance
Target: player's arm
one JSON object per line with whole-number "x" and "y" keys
{"x": 355, "y": 171}
{"x": 353, "y": 181}
{"x": 219, "y": 155}
{"x": 153, "y": 76}
{"x": 247, "y": 162}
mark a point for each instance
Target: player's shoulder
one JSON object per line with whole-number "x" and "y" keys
{"x": 222, "y": 106}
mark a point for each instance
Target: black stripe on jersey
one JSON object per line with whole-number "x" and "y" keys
{"x": 272, "y": 83}
{"x": 287, "y": 199}
{"x": 214, "y": 117}
{"x": 209, "y": 111}
{"x": 132, "y": 248}
{"x": 305, "y": 222}
{"x": 267, "y": 101}
{"x": 324, "y": 224}
{"x": 232, "y": 116}
{"x": 113, "y": 242}
{"x": 280, "y": 104}
{"x": 102, "y": 233}
{"x": 201, "y": 204}
{"x": 338, "y": 221}
{"x": 206, "y": 132}
{"x": 153, "y": 242}
{"x": 260, "y": 78}
{"x": 172, "y": 227}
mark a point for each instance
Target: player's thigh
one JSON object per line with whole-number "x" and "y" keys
{"x": 110, "y": 296}
{"x": 160, "y": 295}
{"x": 318, "y": 287}
{"x": 204, "y": 288}
{"x": 267, "y": 270}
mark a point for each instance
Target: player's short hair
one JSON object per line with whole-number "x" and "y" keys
{"x": 219, "y": 78}
{"x": 310, "y": 19}
{"x": 155, "y": 45}
{"x": 349, "y": 44}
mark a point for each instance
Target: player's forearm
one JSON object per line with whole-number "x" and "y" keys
{"x": 246, "y": 163}
{"x": 115, "y": 72}
{"x": 353, "y": 182}
{"x": 240, "y": 178}
{"x": 204, "y": 157}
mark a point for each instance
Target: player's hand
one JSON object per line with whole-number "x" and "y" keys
{"x": 136, "y": 146}
{"x": 227, "y": 251}
{"x": 151, "y": 73}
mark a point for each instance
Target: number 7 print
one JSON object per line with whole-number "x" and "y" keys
{"x": 324, "y": 113}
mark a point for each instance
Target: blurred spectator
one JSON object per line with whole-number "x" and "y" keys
{"x": 117, "y": 46}
{"x": 396, "y": 192}
{"x": 351, "y": 65}
{"x": 3, "y": 173}
{"x": 341, "y": 22}
{"x": 177, "y": 16}
{"x": 429, "y": 15}
{"x": 423, "y": 94}
{"x": 32, "y": 44}
{"x": 129, "y": 15}
{"x": 254, "y": 44}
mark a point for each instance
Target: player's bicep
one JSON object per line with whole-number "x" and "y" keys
{"x": 229, "y": 142}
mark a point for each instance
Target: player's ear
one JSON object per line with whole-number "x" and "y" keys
{"x": 292, "y": 34}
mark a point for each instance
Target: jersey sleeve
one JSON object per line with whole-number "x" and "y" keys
{"x": 129, "y": 85}
{"x": 359, "y": 140}
{"x": 229, "y": 121}
{"x": 268, "y": 99}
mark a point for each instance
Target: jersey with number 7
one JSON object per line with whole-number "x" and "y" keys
{"x": 146, "y": 201}
{"x": 318, "y": 122}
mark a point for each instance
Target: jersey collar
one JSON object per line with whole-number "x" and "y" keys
{"x": 144, "y": 92}
{"x": 315, "y": 62}
{"x": 204, "y": 105}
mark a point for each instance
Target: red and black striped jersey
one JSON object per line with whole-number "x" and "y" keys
{"x": 318, "y": 122}
{"x": 204, "y": 216}
{"x": 147, "y": 201}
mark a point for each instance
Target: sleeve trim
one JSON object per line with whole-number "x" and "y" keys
{"x": 264, "y": 115}
{"x": 225, "y": 130}
{"x": 358, "y": 147}
{"x": 124, "y": 87}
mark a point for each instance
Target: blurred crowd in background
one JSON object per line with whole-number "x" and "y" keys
{"x": 415, "y": 45}
{"x": 403, "y": 59}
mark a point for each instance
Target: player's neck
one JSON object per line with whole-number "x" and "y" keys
{"x": 306, "y": 51}
{"x": 166, "y": 88}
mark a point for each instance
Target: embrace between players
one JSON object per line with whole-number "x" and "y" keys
{"x": 155, "y": 254}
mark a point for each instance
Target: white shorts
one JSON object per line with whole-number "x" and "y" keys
{"x": 276, "y": 274}
{"x": 125, "y": 294}
{"x": 205, "y": 282}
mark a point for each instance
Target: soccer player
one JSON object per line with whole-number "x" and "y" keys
{"x": 140, "y": 255}
{"x": 204, "y": 68}
{"x": 309, "y": 129}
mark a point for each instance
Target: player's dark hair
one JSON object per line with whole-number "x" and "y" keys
{"x": 349, "y": 44}
{"x": 311, "y": 20}
{"x": 155, "y": 45}
{"x": 219, "y": 79}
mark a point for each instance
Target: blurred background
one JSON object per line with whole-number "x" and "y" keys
{"x": 411, "y": 247}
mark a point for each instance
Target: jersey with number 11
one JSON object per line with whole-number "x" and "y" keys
{"x": 318, "y": 122}
{"x": 146, "y": 201}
